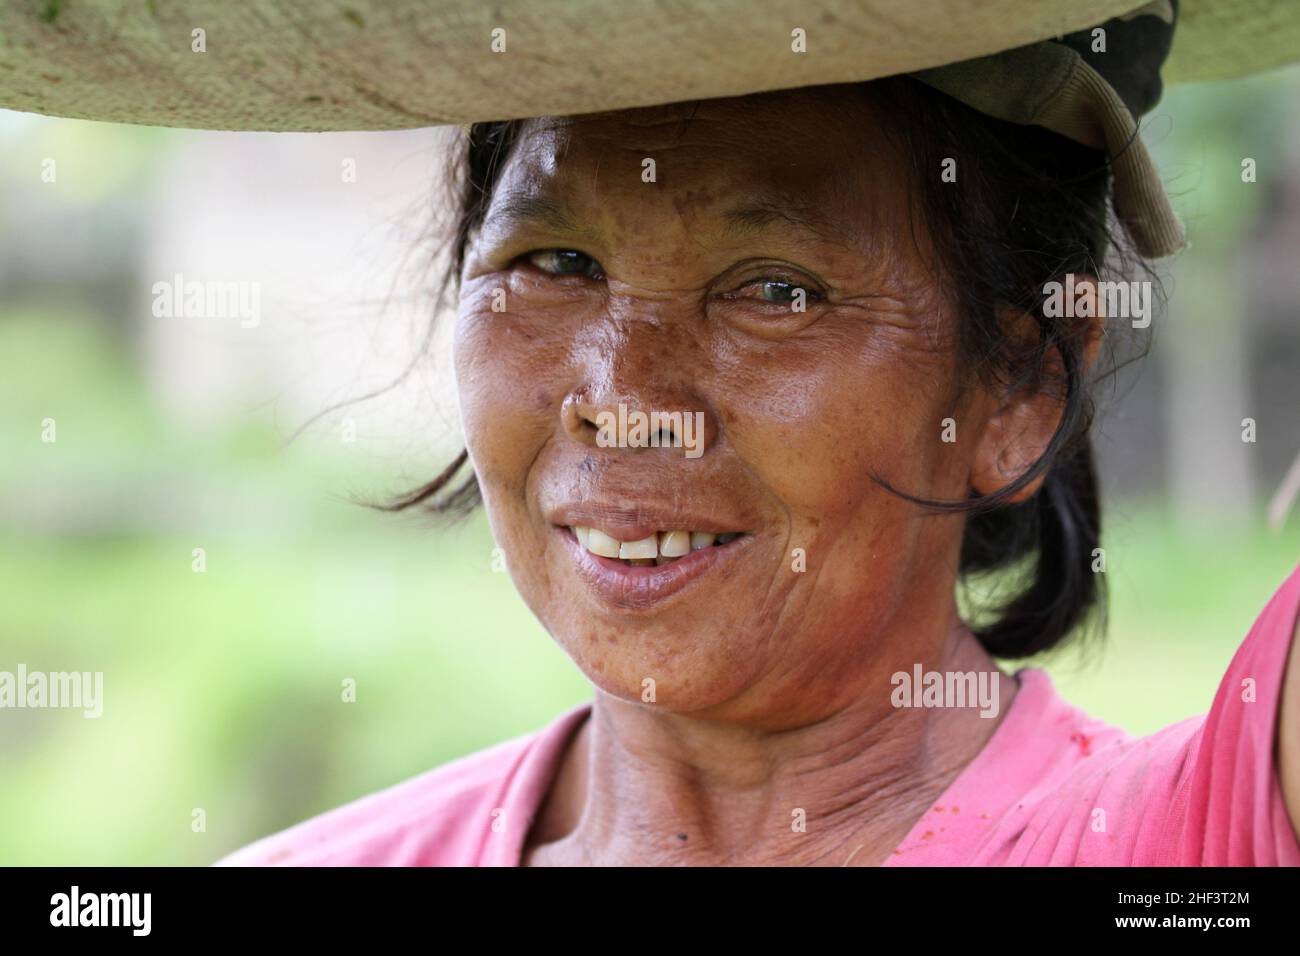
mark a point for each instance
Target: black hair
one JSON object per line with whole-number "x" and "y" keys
{"x": 1031, "y": 207}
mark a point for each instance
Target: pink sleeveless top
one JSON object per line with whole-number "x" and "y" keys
{"x": 1051, "y": 787}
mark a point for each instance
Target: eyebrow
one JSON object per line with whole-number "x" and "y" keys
{"x": 552, "y": 214}
{"x": 754, "y": 217}
{"x": 537, "y": 210}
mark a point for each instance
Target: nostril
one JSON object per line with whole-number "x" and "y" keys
{"x": 628, "y": 425}
{"x": 578, "y": 420}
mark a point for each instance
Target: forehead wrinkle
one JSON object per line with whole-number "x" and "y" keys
{"x": 808, "y": 204}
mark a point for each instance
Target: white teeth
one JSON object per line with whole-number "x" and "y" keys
{"x": 600, "y": 543}
{"x": 659, "y": 548}
{"x": 701, "y": 539}
{"x": 645, "y": 548}
{"x": 674, "y": 544}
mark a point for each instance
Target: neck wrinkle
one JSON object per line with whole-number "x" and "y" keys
{"x": 862, "y": 777}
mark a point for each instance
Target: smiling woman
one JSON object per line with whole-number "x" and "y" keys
{"x": 848, "y": 272}
{"x": 889, "y": 406}
{"x": 925, "y": 292}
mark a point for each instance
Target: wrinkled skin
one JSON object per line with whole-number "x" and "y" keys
{"x": 771, "y": 686}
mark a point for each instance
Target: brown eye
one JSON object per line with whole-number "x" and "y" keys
{"x": 565, "y": 262}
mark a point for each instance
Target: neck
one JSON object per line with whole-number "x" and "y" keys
{"x": 640, "y": 787}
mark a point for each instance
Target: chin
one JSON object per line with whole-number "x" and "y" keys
{"x": 654, "y": 666}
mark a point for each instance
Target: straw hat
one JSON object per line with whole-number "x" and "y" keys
{"x": 389, "y": 64}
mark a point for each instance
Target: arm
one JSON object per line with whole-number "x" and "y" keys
{"x": 1288, "y": 733}
{"x": 1242, "y": 789}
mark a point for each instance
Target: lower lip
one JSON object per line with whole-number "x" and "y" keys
{"x": 629, "y": 587}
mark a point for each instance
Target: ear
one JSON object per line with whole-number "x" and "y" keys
{"x": 1022, "y": 423}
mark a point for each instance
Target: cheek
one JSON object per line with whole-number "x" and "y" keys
{"x": 509, "y": 382}
{"x": 815, "y": 441}
{"x": 825, "y": 420}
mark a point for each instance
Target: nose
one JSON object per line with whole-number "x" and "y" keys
{"x": 630, "y": 397}
{"x": 632, "y": 424}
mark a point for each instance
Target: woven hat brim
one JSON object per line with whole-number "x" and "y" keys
{"x": 391, "y": 64}
{"x": 1224, "y": 39}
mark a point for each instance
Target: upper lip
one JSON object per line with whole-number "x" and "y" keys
{"x": 635, "y": 521}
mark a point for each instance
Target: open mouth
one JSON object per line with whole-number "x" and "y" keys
{"x": 646, "y": 570}
{"x": 660, "y": 548}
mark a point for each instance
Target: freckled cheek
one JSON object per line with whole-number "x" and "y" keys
{"x": 510, "y": 385}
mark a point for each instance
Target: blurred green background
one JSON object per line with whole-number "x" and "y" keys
{"x": 223, "y": 689}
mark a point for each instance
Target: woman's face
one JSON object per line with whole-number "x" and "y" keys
{"x": 642, "y": 259}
